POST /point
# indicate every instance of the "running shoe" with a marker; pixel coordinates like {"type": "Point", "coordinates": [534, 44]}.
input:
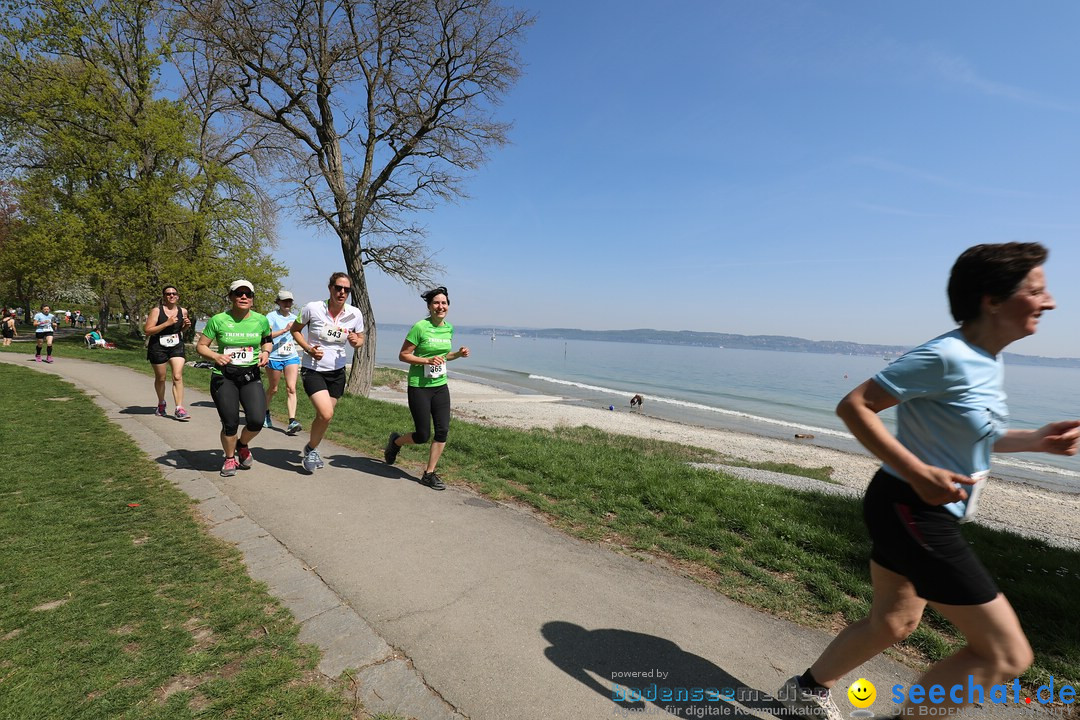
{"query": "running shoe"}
{"type": "Point", "coordinates": [267, 422]}
{"type": "Point", "coordinates": [48, 359]}
{"type": "Point", "coordinates": [807, 703]}
{"type": "Point", "coordinates": [294, 427]}
{"type": "Point", "coordinates": [37, 357]}
{"type": "Point", "coordinates": [160, 412]}
{"type": "Point", "coordinates": [312, 460]}
{"type": "Point", "coordinates": [182, 414]}
{"type": "Point", "coordinates": [434, 482]}
{"type": "Point", "coordinates": [229, 468]}
{"type": "Point", "coordinates": [392, 449]}
{"type": "Point", "coordinates": [245, 459]}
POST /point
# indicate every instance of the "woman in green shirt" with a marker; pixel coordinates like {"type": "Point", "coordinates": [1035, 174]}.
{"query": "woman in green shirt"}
{"type": "Point", "coordinates": [427, 349]}
{"type": "Point", "coordinates": [243, 346]}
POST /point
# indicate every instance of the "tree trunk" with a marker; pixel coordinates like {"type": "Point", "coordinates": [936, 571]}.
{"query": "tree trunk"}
{"type": "Point", "coordinates": [363, 363]}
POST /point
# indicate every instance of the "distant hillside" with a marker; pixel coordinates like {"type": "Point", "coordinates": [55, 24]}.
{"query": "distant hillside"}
{"type": "Point", "coordinates": [744, 342]}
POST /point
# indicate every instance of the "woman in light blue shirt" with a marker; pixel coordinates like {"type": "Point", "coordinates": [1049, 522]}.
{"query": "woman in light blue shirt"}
{"type": "Point", "coordinates": [951, 415]}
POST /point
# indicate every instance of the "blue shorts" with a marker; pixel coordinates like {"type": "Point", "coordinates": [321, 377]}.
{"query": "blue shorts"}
{"type": "Point", "coordinates": [280, 365]}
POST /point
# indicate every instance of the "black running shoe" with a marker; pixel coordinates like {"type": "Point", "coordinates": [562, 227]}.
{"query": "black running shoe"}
{"type": "Point", "coordinates": [392, 449]}
{"type": "Point", "coordinates": [433, 481]}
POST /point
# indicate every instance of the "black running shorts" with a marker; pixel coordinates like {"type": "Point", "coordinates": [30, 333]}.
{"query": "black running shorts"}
{"type": "Point", "coordinates": [924, 544]}
{"type": "Point", "coordinates": [333, 381]}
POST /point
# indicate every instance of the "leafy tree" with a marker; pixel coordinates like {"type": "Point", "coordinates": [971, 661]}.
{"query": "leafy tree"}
{"type": "Point", "coordinates": [384, 104]}
{"type": "Point", "coordinates": [94, 141]}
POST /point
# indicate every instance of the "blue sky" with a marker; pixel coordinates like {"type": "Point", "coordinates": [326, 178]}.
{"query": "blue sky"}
{"type": "Point", "coordinates": [787, 167]}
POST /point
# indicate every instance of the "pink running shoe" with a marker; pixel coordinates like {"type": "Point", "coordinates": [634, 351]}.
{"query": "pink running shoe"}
{"type": "Point", "coordinates": [229, 468]}
{"type": "Point", "coordinates": [182, 414]}
{"type": "Point", "coordinates": [48, 359]}
{"type": "Point", "coordinates": [37, 358]}
{"type": "Point", "coordinates": [246, 461]}
{"type": "Point", "coordinates": [160, 412]}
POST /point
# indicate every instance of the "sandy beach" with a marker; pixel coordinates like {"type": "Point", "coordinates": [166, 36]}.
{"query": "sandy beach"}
{"type": "Point", "coordinates": [1028, 510]}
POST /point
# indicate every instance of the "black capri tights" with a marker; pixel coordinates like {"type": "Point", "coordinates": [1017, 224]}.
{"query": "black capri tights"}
{"type": "Point", "coordinates": [229, 396]}
{"type": "Point", "coordinates": [426, 403]}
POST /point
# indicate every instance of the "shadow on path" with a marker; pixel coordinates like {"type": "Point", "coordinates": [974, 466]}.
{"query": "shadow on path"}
{"type": "Point", "coordinates": [636, 669]}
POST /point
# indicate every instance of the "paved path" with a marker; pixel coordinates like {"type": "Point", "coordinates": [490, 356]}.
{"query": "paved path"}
{"type": "Point", "coordinates": [452, 605]}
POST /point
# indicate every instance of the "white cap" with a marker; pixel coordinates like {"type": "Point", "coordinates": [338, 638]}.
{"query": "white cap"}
{"type": "Point", "coordinates": [285, 295]}
{"type": "Point", "coordinates": [241, 283]}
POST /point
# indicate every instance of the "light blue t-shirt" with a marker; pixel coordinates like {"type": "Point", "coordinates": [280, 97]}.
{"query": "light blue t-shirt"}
{"type": "Point", "coordinates": [952, 405]}
{"type": "Point", "coordinates": [284, 345]}
{"type": "Point", "coordinates": [44, 323]}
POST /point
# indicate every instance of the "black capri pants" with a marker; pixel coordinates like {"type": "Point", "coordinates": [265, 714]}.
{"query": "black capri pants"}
{"type": "Point", "coordinates": [234, 389]}
{"type": "Point", "coordinates": [425, 404]}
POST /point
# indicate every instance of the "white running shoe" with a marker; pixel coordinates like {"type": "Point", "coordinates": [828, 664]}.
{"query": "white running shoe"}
{"type": "Point", "coordinates": [807, 703]}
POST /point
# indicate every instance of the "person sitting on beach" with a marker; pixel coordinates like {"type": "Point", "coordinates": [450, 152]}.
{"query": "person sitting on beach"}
{"type": "Point", "coordinates": [636, 402]}
{"type": "Point", "coordinates": [951, 414]}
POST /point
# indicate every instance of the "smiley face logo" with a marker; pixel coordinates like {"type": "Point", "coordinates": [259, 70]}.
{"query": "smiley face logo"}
{"type": "Point", "coordinates": [862, 693]}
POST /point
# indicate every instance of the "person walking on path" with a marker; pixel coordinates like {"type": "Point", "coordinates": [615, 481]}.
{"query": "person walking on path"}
{"type": "Point", "coordinates": [243, 346]}
{"type": "Point", "coordinates": [427, 348]}
{"type": "Point", "coordinates": [951, 416]}
{"type": "Point", "coordinates": [322, 332]}
{"type": "Point", "coordinates": [164, 328]}
{"type": "Point", "coordinates": [283, 360]}
{"type": "Point", "coordinates": [44, 324]}
{"type": "Point", "coordinates": [7, 325]}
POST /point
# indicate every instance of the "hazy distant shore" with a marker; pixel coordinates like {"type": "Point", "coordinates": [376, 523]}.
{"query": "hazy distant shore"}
{"type": "Point", "coordinates": [1023, 508]}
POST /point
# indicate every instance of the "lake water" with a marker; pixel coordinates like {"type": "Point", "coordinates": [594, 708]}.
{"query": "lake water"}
{"type": "Point", "coordinates": [777, 394]}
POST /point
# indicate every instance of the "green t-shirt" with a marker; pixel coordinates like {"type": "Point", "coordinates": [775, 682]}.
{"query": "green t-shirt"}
{"type": "Point", "coordinates": [242, 340]}
{"type": "Point", "coordinates": [430, 340]}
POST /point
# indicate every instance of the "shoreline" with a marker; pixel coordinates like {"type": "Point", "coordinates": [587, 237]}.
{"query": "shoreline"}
{"type": "Point", "coordinates": [1020, 507]}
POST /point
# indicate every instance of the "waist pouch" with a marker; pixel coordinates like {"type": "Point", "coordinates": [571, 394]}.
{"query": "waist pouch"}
{"type": "Point", "coordinates": [241, 375]}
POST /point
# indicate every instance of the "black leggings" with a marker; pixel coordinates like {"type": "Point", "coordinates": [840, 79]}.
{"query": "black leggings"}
{"type": "Point", "coordinates": [229, 396]}
{"type": "Point", "coordinates": [425, 404]}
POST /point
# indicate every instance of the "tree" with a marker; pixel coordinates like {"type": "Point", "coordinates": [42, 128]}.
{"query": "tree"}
{"type": "Point", "coordinates": [385, 104]}
{"type": "Point", "coordinates": [114, 163]}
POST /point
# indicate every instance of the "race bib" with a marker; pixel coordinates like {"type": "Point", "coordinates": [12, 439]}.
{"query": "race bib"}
{"type": "Point", "coordinates": [286, 348]}
{"type": "Point", "coordinates": [240, 355]}
{"type": "Point", "coordinates": [432, 372]}
{"type": "Point", "coordinates": [974, 491]}
{"type": "Point", "coordinates": [335, 335]}
{"type": "Point", "coordinates": [169, 340]}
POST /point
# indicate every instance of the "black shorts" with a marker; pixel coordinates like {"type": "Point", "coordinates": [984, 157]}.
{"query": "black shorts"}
{"type": "Point", "coordinates": [924, 544]}
{"type": "Point", "coordinates": [333, 381]}
{"type": "Point", "coordinates": [8, 332]}
{"type": "Point", "coordinates": [43, 335]}
{"type": "Point", "coordinates": [158, 355]}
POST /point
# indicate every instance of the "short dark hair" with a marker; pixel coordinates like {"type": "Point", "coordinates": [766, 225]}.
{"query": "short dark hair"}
{"type": "Point", "coordinates": [337, 276]}
{"type": "Point", "coordinates": [169, 286]}
{"type": "Point", "coordinates": [990, 270]}
{"type": "Point", "coordinates": [430, 294]}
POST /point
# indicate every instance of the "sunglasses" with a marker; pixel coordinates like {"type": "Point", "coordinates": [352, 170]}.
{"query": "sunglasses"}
{"type": "Point", "coordinates": [171, 294]}
{"type": "Point", "coordinates": [343, 288]}
{"type": "Point", "coordinates": [243, 294]}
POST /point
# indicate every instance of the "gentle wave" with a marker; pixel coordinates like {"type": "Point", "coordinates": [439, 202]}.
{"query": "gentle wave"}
{"type": "Point", "coordinates": [1033, 466]}
{"type": "Point", "coordinates": [697, 406]}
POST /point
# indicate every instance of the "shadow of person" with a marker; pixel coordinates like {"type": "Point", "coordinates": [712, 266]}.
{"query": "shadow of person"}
{"type": "Point", "coordinates": [635, 669]}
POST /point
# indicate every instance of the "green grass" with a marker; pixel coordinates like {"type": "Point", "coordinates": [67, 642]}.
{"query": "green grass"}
{"type": "Point", "coordinates": [116, 603]}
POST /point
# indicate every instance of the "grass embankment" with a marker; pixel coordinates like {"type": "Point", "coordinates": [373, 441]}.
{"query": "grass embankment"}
{"type": "Point", "coordinates": [802, 556]}
{"type": "Point", "coordinates": [116, 603]}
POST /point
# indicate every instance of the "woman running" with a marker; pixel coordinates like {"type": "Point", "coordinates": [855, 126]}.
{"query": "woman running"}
{"type": "Point", "coordinates": [243, 346]}
{"type": "Point", "coordinates": [283, 360]}
{"type": "Point", "coordinates": [951, 416]}
{"type": "Point", "coordinates": [164, 328]}
{"type": "Point", "coordinates": [427, 349]}
{"type": "Point", "coordinates": [44, 323]}
{"type": "Point", "coordinates": [8, 325]}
